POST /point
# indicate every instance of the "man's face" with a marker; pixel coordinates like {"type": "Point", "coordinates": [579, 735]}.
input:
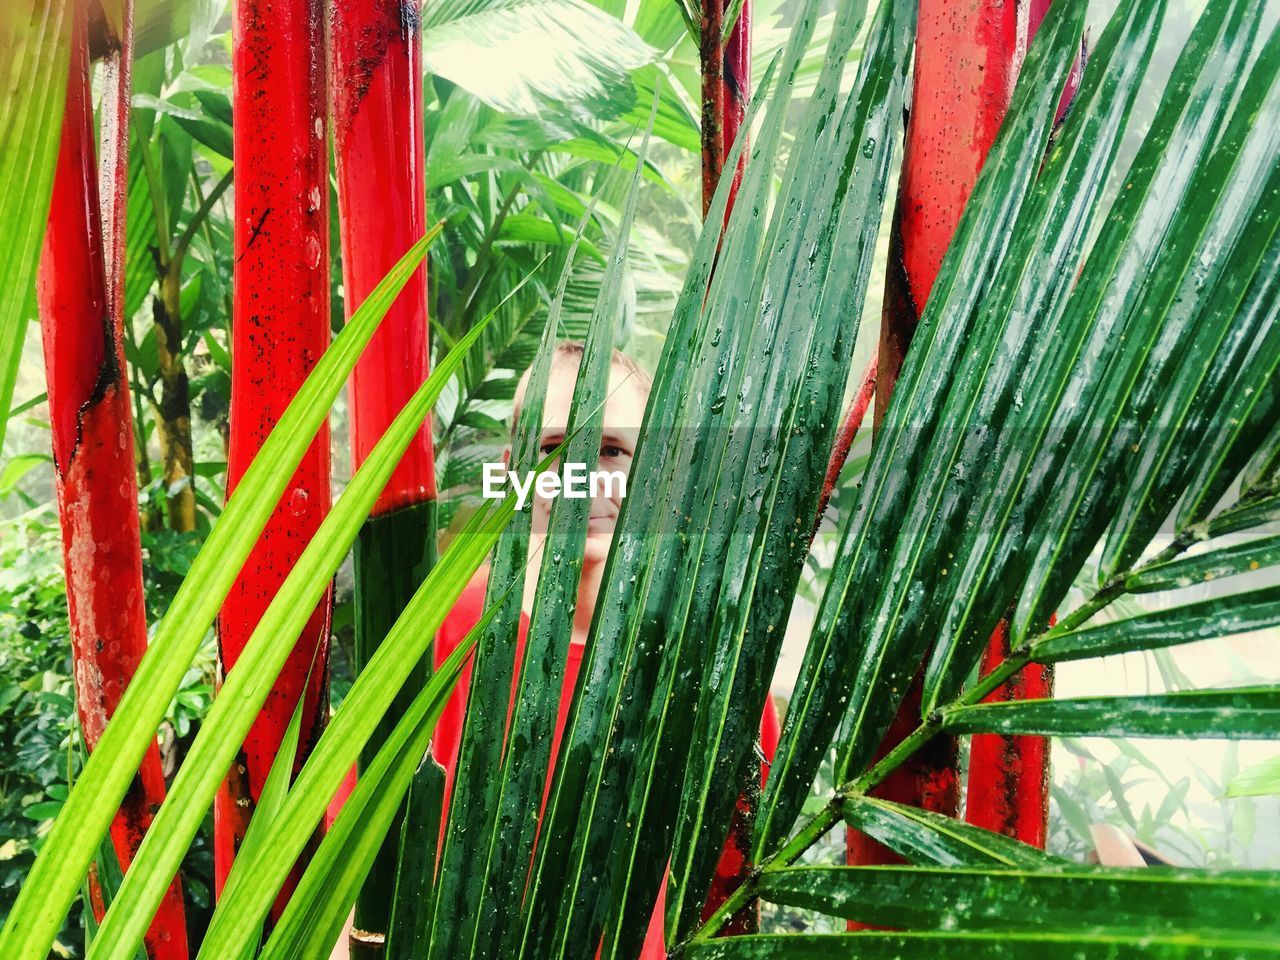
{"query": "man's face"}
{"type": "Point", "coordinates": [623, 414]}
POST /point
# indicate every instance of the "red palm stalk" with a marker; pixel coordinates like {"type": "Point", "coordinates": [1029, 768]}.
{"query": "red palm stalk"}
{"type": "Point", "coordinates": [966, 62]}
{"type": "Point", "coordinates": [280, 327]}
{"type": "Point", "coordinates": [376, 97]}
{"type": "Point", "coordinates": [92, 429]}
{"type": "Point", "coordinates": [853, 418]}
{"type": "Point", "coordinates": [1008, 788]}
{"type": "Point", "coordinates": [726, 83]}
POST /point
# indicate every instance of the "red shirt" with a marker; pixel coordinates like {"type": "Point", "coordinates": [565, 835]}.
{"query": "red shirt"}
{"type": "Point", "coordinates": [445, 741]}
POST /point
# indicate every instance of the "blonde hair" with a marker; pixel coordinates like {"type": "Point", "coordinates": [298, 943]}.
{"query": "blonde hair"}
{"type": "Point", "coordinates": [573, 350]}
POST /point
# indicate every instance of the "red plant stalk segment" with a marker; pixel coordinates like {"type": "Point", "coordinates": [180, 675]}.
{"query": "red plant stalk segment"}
{"type": "Point", "coordinates": [967, 57]}
{"type": "Point", "coordinates": [929, 779]}
{"type": "Point", "coordinates": [966, 62]}
{"type": "Point", "coordinates": [726, 87]}
{"type": "Point", "coordinates": [853, 419]}
{"type": "Point", "coordinates": [378, 141]}
{"type": "Point", "coordinates": [280, 328]}
{"type": "Point", "coordinates": [1008, 788]}
{"type": "Point", "coordinates": [91, 421]}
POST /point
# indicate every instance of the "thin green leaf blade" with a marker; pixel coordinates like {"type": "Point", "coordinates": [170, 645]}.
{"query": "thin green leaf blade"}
{"type": "Point", "coordinates": [997, 945]}
{"type": "Point", "coordinates": [1245, 713]}
{"type": "Point", "coordinates": [922, 836]}
{"type": "Point", "coordinates": [1187, 623]}
{"type": "Point", "coordinates": [1066, 899]}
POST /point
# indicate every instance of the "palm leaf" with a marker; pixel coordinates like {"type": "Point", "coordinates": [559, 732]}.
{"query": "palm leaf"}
{"type": "Point", "coordinates": [476, 840]}
{"type": "Point", "coordinates": [1245, 713]}
{"type": "Point", "coordinates": [516, 55]}
{"type": "Point", "coordinates": [1156, 902]}
{"type": "Point", "coordinates": [996, 481]}
{"type": "Point", "coordinates": [826, 685]}
{"type": "Point", "coordinates": [922, 836]}
{"type": "Point", "coordinates": [993, 945]}
{"type": "Point", "coordinates": [237, 918]}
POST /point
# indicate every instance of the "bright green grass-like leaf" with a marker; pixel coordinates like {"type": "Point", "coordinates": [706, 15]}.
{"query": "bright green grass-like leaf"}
{"type": "Point", "coordinates": [274, 791]}
{"type": "Point", "coordinates": [34, 35]}
{"type": "Point", "coordinates": [1067, 899]}
{"type": "Point", "coordinates": [69, 848]}
{"type": "Point", "coordinates": [922, 836]}
{"type": "Point", "coordinates": [1260, 780]}
{"type": "Point", "coordinates": [994, 945]}
{"type": "Point", "coordinates": [236, 920]}
{"type": "Point", "coordinates": [18, 467]}
{"type": "Point", "coordinates": [374, 689]}
{"type": "Point", "coordinates": [1245, 713]}
{"type": "Point", "coordinates": [312, 921]}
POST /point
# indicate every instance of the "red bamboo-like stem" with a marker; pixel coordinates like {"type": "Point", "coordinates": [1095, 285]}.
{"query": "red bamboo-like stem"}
{"type": "Point", "coordinates": [853, 418]}
{"type": "Point", "coordinates": [92, 428]}
{"type": "Point", "coordinates": [382, 211]}
{"type": "Point", "coordinates": [1008, 788]}
{"type": "Point", "coordinates": [966, 62]}
{"type": "Point", "coordinates": [967, 57]}
{"type": "Point", "coordinates": [280, 327]}
{"type": "Point", "coordinates": [726, 85]}
{"type": "Point", "coordinates": [376, 98]}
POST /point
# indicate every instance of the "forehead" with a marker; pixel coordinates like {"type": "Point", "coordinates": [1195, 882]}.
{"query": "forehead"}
{"type": "Point", "coordinates": [624, 409]}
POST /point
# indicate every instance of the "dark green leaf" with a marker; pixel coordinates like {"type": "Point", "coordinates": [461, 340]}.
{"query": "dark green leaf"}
{"type": "Point", "coordinates": [1219, 617]}
{"type": "Point", "coordinates": [1203, 567]}
{"type": "Point", "coordinates": [922, 836]}
{"type": "Point", "coordinates": [1239, 714]}
{"type": "Point", "coordinates": [998, 945]}
{"type": "Point", "coordinates": [1068, 899]}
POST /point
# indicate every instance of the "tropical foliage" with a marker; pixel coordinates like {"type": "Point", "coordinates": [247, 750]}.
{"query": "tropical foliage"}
{"type": "Point", "coordinates": [1089, 402]}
